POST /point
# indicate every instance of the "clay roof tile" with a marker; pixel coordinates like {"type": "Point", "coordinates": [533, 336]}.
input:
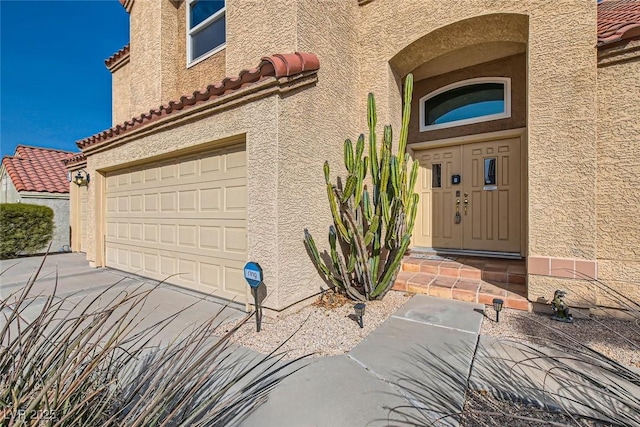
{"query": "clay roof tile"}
{"type": "Point", "coordinates": [38, 169]}
{"type": "Point", "coordinates": [116, 57]}
{"type": "Point", "coordinates": [278, 66]}
{"type": "Point", "coordinates": [618, 20]}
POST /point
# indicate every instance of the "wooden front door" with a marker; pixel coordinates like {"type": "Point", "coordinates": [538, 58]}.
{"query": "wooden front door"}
{"type": "Point", "coordinates": [483, 211]}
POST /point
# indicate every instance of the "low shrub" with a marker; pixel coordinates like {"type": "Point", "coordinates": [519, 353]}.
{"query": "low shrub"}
{"type": "Point", "coordinates": [24, 228]}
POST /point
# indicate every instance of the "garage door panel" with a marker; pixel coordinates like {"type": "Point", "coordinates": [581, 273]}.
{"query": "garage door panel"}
{"type": "Point", "coordinates": [183, 221]}
{"type": "Point", "coordinates": [203, 273]}
{"type": "Point", "coordinates": [188, 236]}
{"type": "Point", "coordinates": [235, 198]}
{"type": "Point", "coordinates": [227, 195]}
{"type": "Point", "coordinates": [111, 255]}
{"type": "Point", "coordinates": [210, 275]}
{"type": "Point", "coordinates": [187, 271]}
{"type": "Point", "coordinates": [112, 203]}
{"type": "Point", "coordinates": [188, 200]}
{"type": "Point", "coordinates": [135, 231]}
{"type": "Point", "coordinates": [151, 263]}
{"type": "Point", "coordinates": [111, 229]}
{"type": "Point", "coordinates": [235, 239]}
{"type": "Point", "coordinates": [237, 160]}
{"type": "Point", "coordinates": [135, 260]}
{"type": "Point", "coordinates": [234, 278]}
{"type": "Point", "coordinates": [201, 233]}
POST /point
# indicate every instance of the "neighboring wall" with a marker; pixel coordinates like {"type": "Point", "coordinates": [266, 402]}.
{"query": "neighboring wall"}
{"type": "Point", "coordinates": [618, 232]}
{"type": "Point", "coordinates": [58, 202]}
{"type": "Point", "coordinates": [60, 205]}
{"type": "Point", "coordinates": [9, 193]}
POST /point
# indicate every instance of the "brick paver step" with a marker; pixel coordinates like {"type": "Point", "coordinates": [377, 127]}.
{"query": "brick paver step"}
{"type": "Point", "coordinates": [470, 279]}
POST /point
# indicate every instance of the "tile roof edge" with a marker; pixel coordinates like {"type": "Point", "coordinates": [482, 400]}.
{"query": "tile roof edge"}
{"type": "Point", "coordinates": [127, 4]}
{"type": "Point", "coordinates": [75, 160]}
{"type": "Point", "coordinates": [277, 65]}
{"type": "Point", "coordinates": [42, 148]}
{"type": "Point", "coordinates": [117, 58]}
{"type": "Point", "coordinates": [622, 33]}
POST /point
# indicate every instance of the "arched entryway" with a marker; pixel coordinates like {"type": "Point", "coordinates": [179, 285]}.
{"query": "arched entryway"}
{"type": "Point", "coordinates": [468, 131]}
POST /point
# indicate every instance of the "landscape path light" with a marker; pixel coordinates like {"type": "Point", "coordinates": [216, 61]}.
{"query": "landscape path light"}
{"type": "Point", "coordinates": [359, 309]}
{"type": "Point", "coordinates": [497, 306]}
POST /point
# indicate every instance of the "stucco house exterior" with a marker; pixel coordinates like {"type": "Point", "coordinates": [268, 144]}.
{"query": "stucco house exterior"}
{"type": "Point", "coordinates": [37, 176]}
{"type": "Point", "coordinates": [224, 112]}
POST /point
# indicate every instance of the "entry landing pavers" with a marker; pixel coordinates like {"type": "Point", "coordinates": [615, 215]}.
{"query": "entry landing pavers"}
{"type": "Point", "coordinates": [472, 279]}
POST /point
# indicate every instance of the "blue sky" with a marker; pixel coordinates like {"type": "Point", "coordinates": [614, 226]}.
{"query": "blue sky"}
{"type": "Point", "coordinates": [54, 86]}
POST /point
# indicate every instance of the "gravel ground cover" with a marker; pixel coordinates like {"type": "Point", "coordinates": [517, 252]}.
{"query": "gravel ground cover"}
{"type": "Point", "coordinates": [326, 328]}
{"type": "Point", "coordinates": [615, 338]}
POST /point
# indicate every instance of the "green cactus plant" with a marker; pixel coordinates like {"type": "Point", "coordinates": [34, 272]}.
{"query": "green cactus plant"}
{"type": "Point", "coordinates": [370, 232]}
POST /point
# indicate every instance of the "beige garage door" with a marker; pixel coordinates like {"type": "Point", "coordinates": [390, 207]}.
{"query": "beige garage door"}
{"type": "Point", "coordinates": [183, 221]}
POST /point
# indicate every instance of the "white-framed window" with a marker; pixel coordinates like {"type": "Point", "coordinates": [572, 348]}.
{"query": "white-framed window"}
{"type": "Point", "coordinates": [206, 29]}
{"type": "Point", "coordinates": [466, 102]}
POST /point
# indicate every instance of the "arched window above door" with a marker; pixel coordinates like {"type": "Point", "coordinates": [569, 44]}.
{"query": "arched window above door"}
{"type": "Point", "coordinates": [466, 102]}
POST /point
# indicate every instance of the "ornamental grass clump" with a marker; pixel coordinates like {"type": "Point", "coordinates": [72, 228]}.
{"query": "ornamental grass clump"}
{"type": "Point", "coordinates": [550, 376]}
{"type": "Point", "coordinates": [92, 363]}
{"type": "Point", "coordinates": [371, 231]}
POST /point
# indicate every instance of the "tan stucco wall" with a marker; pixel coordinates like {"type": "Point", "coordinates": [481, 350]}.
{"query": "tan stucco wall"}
{"type": "Point", "coordinates": [259, 28]}
{"type": "Point", "coordinates": [74, 217]}
{"type": "Point", "coordinates": [283, 136]}
{"type": "Point", "coordinates": [313, 126]}
{"type": "Point", "coordinates": [255, 122]}
{"type": "Point", "coordinates": [158, 70]}
{"type": "Point", "coordinates": [146, 42]}
{"type": "Point", "coordinates": [76, 194]}
{"type": "Point", "coordinates": [514, 67]}
{"type": "Point", "coordinates": [618, 180]}
{"type": "Point", "coordinates": [561, 97]}
{"type": "Point", "coordinates": [121, 95]}
{"type": "Point", "coordinates": [197, 76]}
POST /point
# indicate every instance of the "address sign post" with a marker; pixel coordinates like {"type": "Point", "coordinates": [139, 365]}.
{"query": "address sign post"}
{"type": "Point", "coordinates": [253, 276]}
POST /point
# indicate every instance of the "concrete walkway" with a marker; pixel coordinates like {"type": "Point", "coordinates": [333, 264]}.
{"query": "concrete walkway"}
{"type": "Point", "coordinates": [413, 370]}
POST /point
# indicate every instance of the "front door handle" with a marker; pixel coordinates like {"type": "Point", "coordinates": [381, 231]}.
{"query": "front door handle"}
{"type": "Point", "coordinates": [466, 203]}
